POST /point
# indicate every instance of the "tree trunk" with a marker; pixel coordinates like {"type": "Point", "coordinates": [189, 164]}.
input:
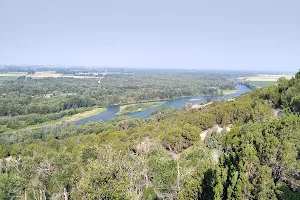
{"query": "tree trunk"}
{"type": "Point", "coordinates": [66, 193]}
{"type": "Point", "coordinates": [178, 175]}
{"type": "Point", "coordinates": [41, 195]}
{"type": "Point", "coordinates": [147, 180]}
{"type": "Point", "coordinates": [23, 195]}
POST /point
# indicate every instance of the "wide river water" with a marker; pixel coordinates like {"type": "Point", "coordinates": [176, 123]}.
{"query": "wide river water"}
{"type": "Point", "coordinates": [111, 111]}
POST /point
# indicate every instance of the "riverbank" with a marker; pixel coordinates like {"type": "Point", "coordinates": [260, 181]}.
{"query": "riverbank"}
{"type": "Point", "coordinates": [114, 111]}
{"type": "Point", "coordinates": [66, 119]}
{"type": "Point", "coordinates": [201, 105]}
{"type": "Point", "coordinates": [138, 107]}
{"type": "Point", "coordinates": [222, 92]}
{"type": "Point", "coordinates": [83, 115]}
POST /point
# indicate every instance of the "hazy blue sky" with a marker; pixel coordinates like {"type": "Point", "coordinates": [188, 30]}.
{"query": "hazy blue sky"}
{"type": "Point", "coordinates": [219, 34]}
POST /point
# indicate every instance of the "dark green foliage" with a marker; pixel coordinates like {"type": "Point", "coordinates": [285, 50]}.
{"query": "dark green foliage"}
{"type": "Point", "coordinates": [297, 76]}
{"type": "Point", "coordinates": [213, 140]}
{"type": "Point", "coordinates": [164, 157]}
{"type": "Point", "coordinates": [51, 95]}
{"type": "Point", "coordinates": [295, 103]}
{"type": "Point", "coordinates": [149, 194]}
{"type": "Point", "coordinates": [163, 170]}
{"type": "Point", "coordinates": [21, 121]}
{"type": "Point", "coordinates": [178, 139]}
{"type": "Point", "coordinates": [26, 101]}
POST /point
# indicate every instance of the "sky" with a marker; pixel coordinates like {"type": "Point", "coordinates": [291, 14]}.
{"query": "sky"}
{"type": "Point", "coordinates": [193, 34]}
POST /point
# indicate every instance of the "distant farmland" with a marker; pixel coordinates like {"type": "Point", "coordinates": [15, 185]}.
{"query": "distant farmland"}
{"type": "Point", "coordinates": [262, 80]}
{"type": "Point", "coordinates": [7, 78]}
{"type": "Point", "coordinates": [15, 75]}
{"type": "Point", "coordinates": [262, 83]}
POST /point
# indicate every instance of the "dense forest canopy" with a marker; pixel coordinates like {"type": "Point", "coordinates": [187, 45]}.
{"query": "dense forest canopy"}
{"type": "Point", "coordinates": [238, 149]}
{"type": "Point", "coordinates": [28, 101]}
{"type": "Point", "coordinates": [48, 95]}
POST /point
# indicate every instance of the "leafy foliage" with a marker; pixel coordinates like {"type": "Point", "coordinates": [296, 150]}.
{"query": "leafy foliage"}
{"type": "Point", "coordinates": [163, 157]}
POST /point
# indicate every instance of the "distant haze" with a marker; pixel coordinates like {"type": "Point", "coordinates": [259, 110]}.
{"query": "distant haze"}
{"type": "Point", "coordinates": [217, 34]}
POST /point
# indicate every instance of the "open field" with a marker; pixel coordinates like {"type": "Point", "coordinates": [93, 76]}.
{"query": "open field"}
{"type": "Point", "coordinates": [44, 74]}
{"type": "Point", "coordinates": [262, 83]}
{"type": "Point", "coordinates": [41, 75]}
{"type": "Point", "coordinates": [16, 74]}
{"type": "Point", "coordinates": [262, 80]}
{"type": "Point", "coordinates": [264, 77]}
{"type": "Point", "coordinates": [131, 108]}
{"type": "Point", "coordinates": [8, 78]}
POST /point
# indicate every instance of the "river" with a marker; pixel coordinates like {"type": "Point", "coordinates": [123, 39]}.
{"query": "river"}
{"type": "Point", "coordinates": [111, 111]}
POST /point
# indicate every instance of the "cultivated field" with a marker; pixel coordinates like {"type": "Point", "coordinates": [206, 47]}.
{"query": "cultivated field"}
{"type": "Point", "coordinates": [262, 80]}
{"type": "Point", "coordinates": [41, 75]}
{"type": "Point", "coordinates": [262, 77]}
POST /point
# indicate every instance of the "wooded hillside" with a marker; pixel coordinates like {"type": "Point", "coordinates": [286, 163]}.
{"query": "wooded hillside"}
{"type": "Point", "coordinates": [228, 150]}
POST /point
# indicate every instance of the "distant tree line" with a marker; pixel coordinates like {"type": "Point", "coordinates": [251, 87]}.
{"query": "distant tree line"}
{"type": "Point", "coordinates": [50, 97]}
{"type": "Point", "coordinates": [164, 157]}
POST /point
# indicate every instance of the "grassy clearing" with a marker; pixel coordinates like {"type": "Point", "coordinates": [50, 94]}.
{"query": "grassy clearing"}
{"type": "Point", "coordinates": [132, 108]}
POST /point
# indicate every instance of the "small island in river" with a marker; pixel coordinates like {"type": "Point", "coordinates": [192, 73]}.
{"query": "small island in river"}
{"type": "Point", "coordinates": [138, 107]}
{"type": "Point", "coordinates": [226, 92]}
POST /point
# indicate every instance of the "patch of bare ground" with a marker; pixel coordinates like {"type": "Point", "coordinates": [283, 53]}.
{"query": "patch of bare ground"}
{"type": "Point", "coordinates": [278, 112]}
{"type": "Point", "coordinates": [215, 156]}
{"type": "Point", "coordinates": [201, 105]}
{"type": "Point", "coordinates": [217, 128]}
{"type": "Point", "coordinates": [203, 134]}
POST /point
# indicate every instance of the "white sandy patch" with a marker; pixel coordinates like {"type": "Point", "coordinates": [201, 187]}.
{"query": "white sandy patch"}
{"type": "Point", "coordinates": [194, 99]}
{"type": "Point", "coordinates": [228, 129]}
{"type": "Point", "coordinates": [202, 106]}
{"type": "Point", "coordinates": [203, 134]}
{"type": "Point", "coordinates": [219, 129]}
{"type": "Point", "coordinates": [215, 156]}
